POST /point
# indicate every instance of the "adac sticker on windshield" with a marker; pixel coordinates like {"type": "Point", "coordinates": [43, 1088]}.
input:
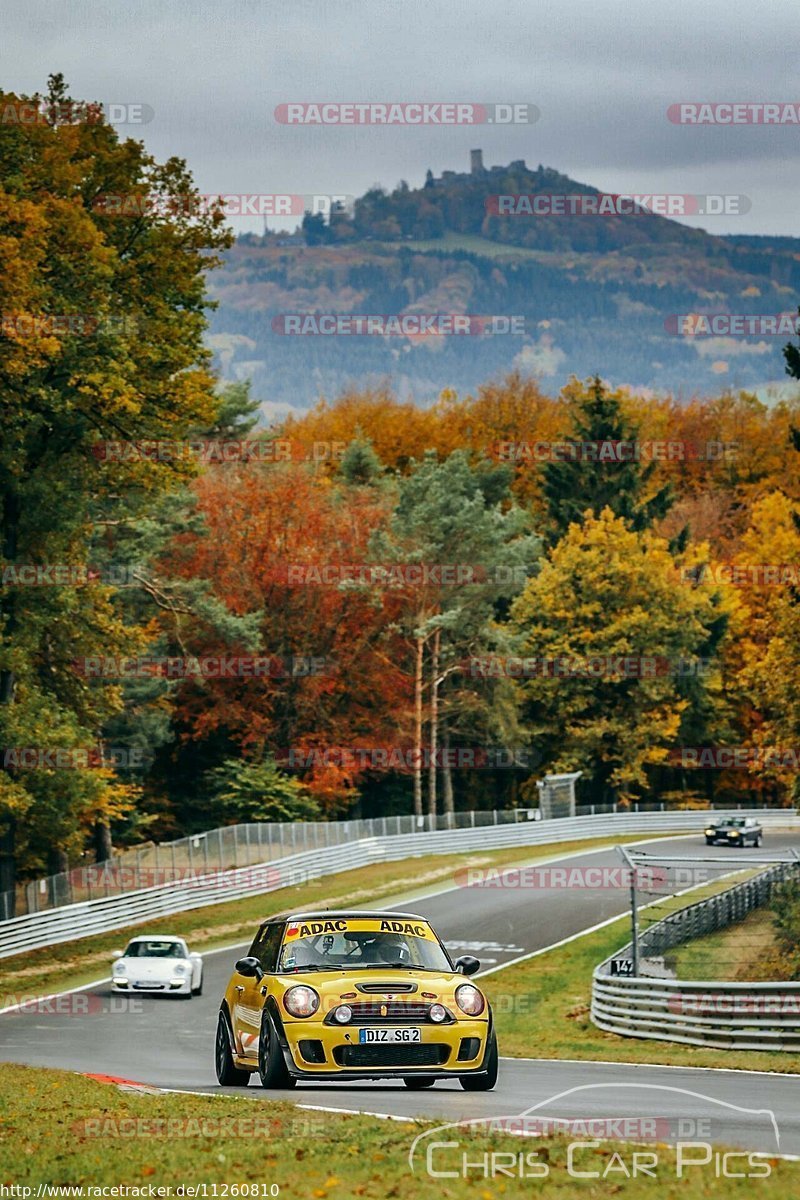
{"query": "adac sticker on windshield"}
{"type": "Point", "coordinates": [401, 928]}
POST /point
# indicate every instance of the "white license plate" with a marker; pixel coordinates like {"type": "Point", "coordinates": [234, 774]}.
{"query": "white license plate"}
{"type": "Point", "coordinates": [389, 1035]}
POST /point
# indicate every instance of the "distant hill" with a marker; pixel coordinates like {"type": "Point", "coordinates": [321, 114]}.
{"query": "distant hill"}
{"type": "Point", "coordinates": [590, 293]}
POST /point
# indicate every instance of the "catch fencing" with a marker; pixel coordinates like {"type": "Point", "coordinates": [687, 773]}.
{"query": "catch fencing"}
{"type": "Point", "coordinates": [244, 845]}
{"type": "Point", "coordinates": [121, 911]}
{"type": "Point", "coordinates": [727, 1014]}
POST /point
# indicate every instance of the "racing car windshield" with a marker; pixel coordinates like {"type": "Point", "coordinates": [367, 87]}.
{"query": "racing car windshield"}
{"type": "Point", "coordinates": [154, 949]}
{"type": "Point", "coordinates": [341, 944]}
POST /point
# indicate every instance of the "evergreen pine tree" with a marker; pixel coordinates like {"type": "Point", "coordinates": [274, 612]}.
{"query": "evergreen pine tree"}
{"type": "Point", "coordinates": [598, 475]}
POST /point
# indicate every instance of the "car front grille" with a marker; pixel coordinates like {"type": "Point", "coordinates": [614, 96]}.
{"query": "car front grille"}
{"type": "Point", "coordinates": [425, 1054]}
{"type": "Point", "coordinates": [390, 1012]}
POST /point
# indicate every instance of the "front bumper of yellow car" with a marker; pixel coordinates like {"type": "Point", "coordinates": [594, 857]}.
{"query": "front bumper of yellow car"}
{"type": "Point", "coordinates": [320, 1049]}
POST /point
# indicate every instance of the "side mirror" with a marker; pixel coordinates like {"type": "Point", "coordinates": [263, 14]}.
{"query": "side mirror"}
{"type": "Point", "coordinates": [467, 965]}
{"type": "Point", "coordinates": [117, 954]}
{"type": "Point", "coordinates": [250, 967]}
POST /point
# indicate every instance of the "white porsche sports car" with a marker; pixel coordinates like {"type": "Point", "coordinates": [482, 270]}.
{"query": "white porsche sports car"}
{"type": "Point", "coordinates": [157, 964]}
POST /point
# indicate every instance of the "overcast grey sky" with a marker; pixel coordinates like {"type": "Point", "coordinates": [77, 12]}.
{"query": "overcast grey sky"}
{"type": "Point", "coordinates": [602, 74]}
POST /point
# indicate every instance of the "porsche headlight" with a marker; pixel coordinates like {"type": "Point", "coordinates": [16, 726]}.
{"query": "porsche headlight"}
{"type": "Point", "coordinates": [179, 969]}
{"type": "Point", "coordinates": [120, 968]}
{"type": "Point", "coordinates": [301, 1001]}
{"type": "Point", "coordinates": [470, 1000]}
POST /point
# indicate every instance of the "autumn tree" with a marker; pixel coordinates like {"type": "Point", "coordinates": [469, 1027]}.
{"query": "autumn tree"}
{"type": "Point", "coordinates": [454, 516]}
{"type": "Point", "coordinates": [269, 532]}
{"type": "Point", "coordinates": [104, 253]}
{"type": "Point", "coordinates": [608, 628]}
{"type": "Point", "coordinates": [766, 659]}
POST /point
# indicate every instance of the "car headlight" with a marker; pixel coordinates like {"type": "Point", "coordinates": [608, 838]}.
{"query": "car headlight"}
{"type": "Point", "coordinates": [710, 832]}
{"type": "Point", "coordinates": [120, 968]}
{"type": "Point", "coordinates": [301, 1001]}
{"type": "Point", "coordinates": [438, 1012]}
{"type": "Point", "coordinates": [734, 833]}
{"type": "Point", "coordinates": [179, 969]}
{"type": "Point", "coordinates": [342, 1014]}
{"type": "Point", "coordinates": [470, 1000]}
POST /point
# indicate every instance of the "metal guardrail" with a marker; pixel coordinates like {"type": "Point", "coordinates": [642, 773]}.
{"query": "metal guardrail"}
{"type": "Point", "coordinates": [76, 921]}
{"type": "Point", "coordinates": [728, 1016]}
{"type": "Point", "coordinates": [720, 1013]}
{"type": "Point", "coordinates": [239, 846]}
{"type": "Point", "coordinates": [224, 849]}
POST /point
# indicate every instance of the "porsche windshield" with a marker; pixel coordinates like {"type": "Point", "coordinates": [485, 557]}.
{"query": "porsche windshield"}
{"type": "Point", "coordinates": [337, 949]}
{"type": "Point", "coordinates": [154, 950]}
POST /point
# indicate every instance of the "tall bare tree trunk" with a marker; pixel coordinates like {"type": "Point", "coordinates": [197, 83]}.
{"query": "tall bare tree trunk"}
{"type": "Point", "coordinates": [8, 868]}
{"type": "Point", "coordinates": [447, 783]}
{"type": "Point", "coordinates": [103, 846]}
{"type": "Point", "coordinates": [434, 723]}
{"type": "Point", "coordinates": [418, 729]}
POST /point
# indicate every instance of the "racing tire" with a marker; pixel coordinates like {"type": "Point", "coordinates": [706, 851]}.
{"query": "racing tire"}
{"type": "Point", "coordinates": [198, 991]}
{"type": "Point", "coordinates": [271, 1066]}
{"type": "Point", "coordinates": [483, 1081]}
{"type": "Point", "coordinates": [416, 1082]}
{"type": "Point", "coordinates": [228, 1074]}
{"type": "Point", "coordinates": [757, 842]}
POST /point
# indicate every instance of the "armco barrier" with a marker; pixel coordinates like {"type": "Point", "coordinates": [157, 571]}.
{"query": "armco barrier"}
{"type": "Point", "coordinates": [225, 849]}
{"type": "Point", "coordinates": [245, 845]}
{"type": "Point", "coordinates": [76, 921]}
{"type": "Point", "coordinates": [742, 1016]}
{"type": "Point", "coordinates": [724, 1014]}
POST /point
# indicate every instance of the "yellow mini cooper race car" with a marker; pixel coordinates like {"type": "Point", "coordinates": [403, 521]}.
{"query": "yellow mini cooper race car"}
{"type": "Point", "coordinates": [354, 995]}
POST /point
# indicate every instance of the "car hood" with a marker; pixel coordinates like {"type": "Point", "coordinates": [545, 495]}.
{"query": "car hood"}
{"type": "Point", "coordinates": [158, 969]}
{"type": "Point", "coordinates": [376, 984]}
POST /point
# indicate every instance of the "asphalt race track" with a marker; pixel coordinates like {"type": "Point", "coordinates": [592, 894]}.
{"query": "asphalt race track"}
{"type": "Point", "coordinates": [169, 1043]}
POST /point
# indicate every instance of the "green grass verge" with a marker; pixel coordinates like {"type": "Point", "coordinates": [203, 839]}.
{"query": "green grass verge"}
{"type": "Point", "coordinates": [63, 1129]}
{"type": "Point", "coordinates": [543, 1006]}
{"type": "Point", "coordinates": [748, 950]}
{"type": "Point", "coordinates": [72, 964]}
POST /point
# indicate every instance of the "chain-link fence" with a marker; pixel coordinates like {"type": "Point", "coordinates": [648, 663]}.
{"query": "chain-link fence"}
{"type": "Point", "coordinates": [732, 894]}
{"type": "Point", "coordinates": [250, 845]}
{"type": "Point", "coordinates": [231, 846]}
{"type": "Point", "coordinates": [707, 971]}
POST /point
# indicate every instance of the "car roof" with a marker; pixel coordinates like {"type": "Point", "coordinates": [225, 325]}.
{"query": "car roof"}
{"type": "Point", "coordinates": [327, 913]}
{"type": "Point", "coordinates": [156, 937]}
